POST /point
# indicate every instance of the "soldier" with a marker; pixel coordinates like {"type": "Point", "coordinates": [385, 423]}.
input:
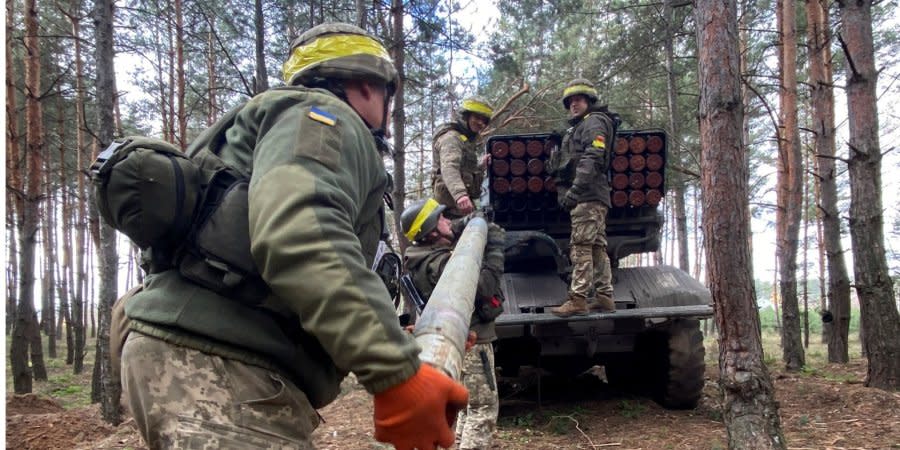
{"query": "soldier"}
{"type": "Point", "coordinates": [579, 168]}
{"type": "Point", "coordinates": [458, 172]}
{"type": "Point", "coordinates": [434, 237]}
{"type": "Point", "coordinates": [200, 370]}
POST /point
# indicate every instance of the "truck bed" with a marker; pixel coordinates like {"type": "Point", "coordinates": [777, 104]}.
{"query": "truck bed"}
{"type": "Point", "coordinates": [639, 292]}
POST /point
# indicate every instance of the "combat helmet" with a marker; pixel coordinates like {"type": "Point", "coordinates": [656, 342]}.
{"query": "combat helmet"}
{"type": "Point", "coordinates": [338, 51]}
{"type": "Point", "coordinates": [475, 105]}
{"type": "Point", "coordinates": [420, 218]}
{"type": "Point", "coordinates": [579, 86]}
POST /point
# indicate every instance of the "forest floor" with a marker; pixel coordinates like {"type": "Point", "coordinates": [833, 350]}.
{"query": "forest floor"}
{"type": "Point", "coordinates": [825, 406]}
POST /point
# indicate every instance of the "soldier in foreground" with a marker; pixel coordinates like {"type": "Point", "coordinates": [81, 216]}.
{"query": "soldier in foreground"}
{"type": "Point", "coordinates": [434, 238]}
{"type": "Point", "coordinates": [458, 171]}
{"type": "Point", "coordinates": [201, 370]}
{"type": "Point", "coordinates": [579, 167]}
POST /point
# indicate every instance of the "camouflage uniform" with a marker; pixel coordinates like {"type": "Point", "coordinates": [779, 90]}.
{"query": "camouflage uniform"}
{"type": "Point", "coordinates": [202, 368]}
{"type": "Point", "coordinates": [475, 424]}
{"type": "Point", "coordinates": [186, 399]}
{"type": "Point", "coordinates": [458, 170]}
{"type": "Point", "coordinates": [580, 169]}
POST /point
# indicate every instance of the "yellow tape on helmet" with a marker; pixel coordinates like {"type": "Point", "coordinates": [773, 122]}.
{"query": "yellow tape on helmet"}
{"type": "Point", "coordinates": [579, 89]}
{"type": "Point", "coordinates": [426, 211]}
{"type": "Point", "coordinates": [477, 107]}
{"type": "Point", "coordinates": [331, 47]}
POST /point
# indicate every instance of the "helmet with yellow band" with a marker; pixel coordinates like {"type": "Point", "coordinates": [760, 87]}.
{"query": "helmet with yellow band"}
{"type": "Point", "coordinates": [421, 218]}
{"type": "Point", "coordinates": [579, 86]}
{"type": "Point", "coordinates": [476, 105]}
{"type": "Point", "coordinates": [338, 51]}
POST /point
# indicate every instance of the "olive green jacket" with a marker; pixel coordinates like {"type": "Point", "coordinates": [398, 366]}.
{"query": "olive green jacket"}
{"type": "Point", "coordinates": [426, 262]}
{"type": "Point", "coordinates": [457, 168]}
{"type": "Point", "coordinates": [582, 161]}
{"type": "Point", "coordinates": [315, 216]}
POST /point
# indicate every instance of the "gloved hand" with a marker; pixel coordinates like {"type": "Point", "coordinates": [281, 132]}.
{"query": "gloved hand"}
{"type": "Point", "coordinates": [569, 200]}
{"type": "Point", "coordinates": [496, 235]}
{"type": "Point", "coordinates": [419, 413]}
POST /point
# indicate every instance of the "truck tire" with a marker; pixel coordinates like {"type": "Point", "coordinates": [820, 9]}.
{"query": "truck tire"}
{"type": "Point", "coordinates": [680, 382]}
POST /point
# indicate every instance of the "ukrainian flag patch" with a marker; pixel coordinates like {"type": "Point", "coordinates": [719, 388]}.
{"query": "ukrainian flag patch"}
{"type": "Point", "coordinates": [322, 116]}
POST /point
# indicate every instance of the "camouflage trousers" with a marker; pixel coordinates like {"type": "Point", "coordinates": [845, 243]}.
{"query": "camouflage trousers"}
{"type": "Point", "coordinates": [475, 425]}
{"type": "Point", "coordinates": [182, 398]}
{"type": "Point", "coordinates": [591, 273]}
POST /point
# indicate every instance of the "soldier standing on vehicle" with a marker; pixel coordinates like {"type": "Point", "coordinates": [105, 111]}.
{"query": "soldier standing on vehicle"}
{"type": "Point", "coordinates": [204, 370]}
{"type": "Point", "coordinates": [458, 172]}
{"type": "Point", "coordinates": [434, 237]}
{"type": "Point", "coordinates": [579, 167]}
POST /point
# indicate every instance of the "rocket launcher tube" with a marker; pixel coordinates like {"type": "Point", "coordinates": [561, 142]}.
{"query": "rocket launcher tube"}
{"type": "Point", "coordinates": [444, 325]}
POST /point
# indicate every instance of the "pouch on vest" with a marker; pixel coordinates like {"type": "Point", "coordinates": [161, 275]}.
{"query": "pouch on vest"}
{"type": "Point", "coordinates": [217, 255]}
{"type": "Point", "coordinates": [147, 189]}
{"type": "Point", "coordinates": [489, 309]}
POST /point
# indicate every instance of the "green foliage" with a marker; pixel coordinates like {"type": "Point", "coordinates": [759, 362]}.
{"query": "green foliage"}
{"type": "Point", "coordinates": [561, 425]}
{"type": "Point", "coordinates": [520, 421]}
{"type": "Point", "coordinates": [767, 320]}
{"type": "Point", "coordinates": [631, 409]}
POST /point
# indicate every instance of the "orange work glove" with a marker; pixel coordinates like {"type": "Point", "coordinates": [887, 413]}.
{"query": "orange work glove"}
{"type": "Point", "coordinates": [419, 413]}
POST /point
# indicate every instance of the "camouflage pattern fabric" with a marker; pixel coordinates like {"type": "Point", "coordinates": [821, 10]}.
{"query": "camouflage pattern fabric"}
{"type": "Point", "coordinates": [475, 425]}
{"type": "Point", "coordinates": [582, 160]}
{"type": "Point", "coordinates": [186, 399]}
{"type": "Point", "coordinates": [458, 170]}
{"type": "Point", "coordinates": [590, 263]}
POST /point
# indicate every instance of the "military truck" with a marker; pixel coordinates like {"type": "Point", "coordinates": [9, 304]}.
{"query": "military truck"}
{"type": "Point", "coordinates": [653, 340]}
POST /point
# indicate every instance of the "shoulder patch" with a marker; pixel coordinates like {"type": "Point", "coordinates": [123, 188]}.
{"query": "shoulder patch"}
{"type": "Point", "coordinates": [599, 141]}
{"type": "Point", "coordinates": [322, 116]}
{"type": "Point", "coordinates": [463, 138]}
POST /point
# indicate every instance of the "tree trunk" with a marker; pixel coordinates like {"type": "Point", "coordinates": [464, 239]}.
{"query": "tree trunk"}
{"type": "Point", "coordinates": [397, 51]}
{"type": "Point", "coordinates": [822, 101]}
{"type": "Point", "coordinates": [874, 287]}
{"type": "Point", "coordinates": [211, 58]}
{"type": "Point", "coordinates": [11, 263]}
{"type": "Point", "coordinates": [361, 17]}
{"type": "Point", "coordinates": [65, 271]}
{"type": "Point", "coordinates": [805, 269]}
{"type": "Point", "coordinates": [179, 70]}
{"type": "Point", "coordinates": [14, 169]}
{"type": "Point", "coordinates": [790, 192]}
{"type": "Point", "coordinates": [49, 245]}
{"type": "Point", "coordinates": [675, 142]}
{"type": "Point", "coordinates": [698, 237]}
{"type": "Point", "coordinates": [820, 244]}
{"type": "Point", "coordinates": [262, 75]}
{"type": "Point", "coordinates": [750, 409]}
{"type": "Point", "coordinates": [75, 335]}
{"type": "Point", "coordinates": [111, 391]}
{"type": "Point", "coordinates": [171, 87]}
{"type": "Point", "coordinates": [25, 327]}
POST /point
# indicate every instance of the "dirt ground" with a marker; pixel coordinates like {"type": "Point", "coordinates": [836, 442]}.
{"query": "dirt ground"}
{"type": "Point", "coordinates": [826, 407]}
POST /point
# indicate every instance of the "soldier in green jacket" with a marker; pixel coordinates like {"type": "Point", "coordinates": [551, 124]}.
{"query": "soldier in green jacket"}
{"type": "Point", "coordinates": [200, 370]}
{"type": "Point", "coordinates": [458, 171]}
{"type": "Point", "coordinates": [580, 167]}
{"type": "Point", "coordinates": [434, 237]}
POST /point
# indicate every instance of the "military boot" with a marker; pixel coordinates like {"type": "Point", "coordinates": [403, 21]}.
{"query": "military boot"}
{"type": "Point", "coordinates": [603, 304]}
{"type": "Point", "coordinates": [576, 305]}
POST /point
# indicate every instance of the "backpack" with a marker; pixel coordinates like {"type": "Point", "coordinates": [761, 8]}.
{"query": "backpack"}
{"type": "Point", "coordinates": [185, 211]}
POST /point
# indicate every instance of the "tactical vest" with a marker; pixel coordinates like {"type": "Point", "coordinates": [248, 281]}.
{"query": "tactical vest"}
{"type": "Point", "coordinates": [472, 176]}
